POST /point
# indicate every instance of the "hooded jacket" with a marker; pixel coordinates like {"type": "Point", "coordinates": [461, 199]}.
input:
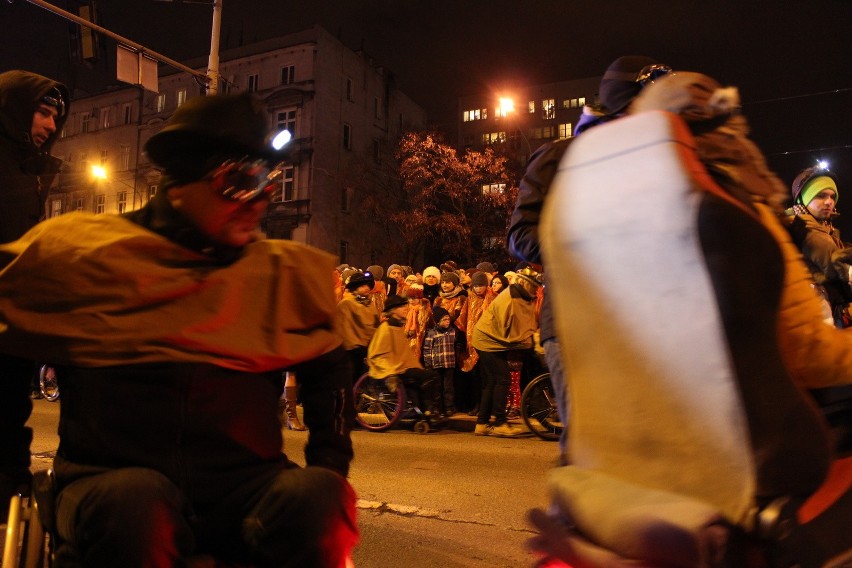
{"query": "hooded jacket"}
{"type": "Point", "coordinates": [26, 171]}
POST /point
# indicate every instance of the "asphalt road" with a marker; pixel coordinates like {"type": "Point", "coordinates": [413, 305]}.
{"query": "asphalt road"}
{"type": "Point", "coordinates": [444, 499]}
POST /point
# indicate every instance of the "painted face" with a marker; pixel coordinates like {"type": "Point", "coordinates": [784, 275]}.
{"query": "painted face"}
{"type": "Point", "coordinates": [224, 221]}
{"type": "Point", "coordinates": [44, 124]}
{"type": "Point", "coordinates": [822, 205]}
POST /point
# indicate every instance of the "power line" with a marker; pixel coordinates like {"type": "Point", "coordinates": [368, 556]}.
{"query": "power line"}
{"type": "Point", "coordinates": [811, 150]}
{"type": "Point", "coordinates": [805, 96]}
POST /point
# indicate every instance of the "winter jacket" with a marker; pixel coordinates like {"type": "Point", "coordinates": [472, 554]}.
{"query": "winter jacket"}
{"type": "Point", "coordinates": [508, 322]}
{"type": "Point", "coordinates": [355, 323]}
{"type": "Point", "coordinates": [389, 353]}
{"type": "Point", "coordinates": [439, 348]}
{"type": "Point", "coordinates": [26, 171]}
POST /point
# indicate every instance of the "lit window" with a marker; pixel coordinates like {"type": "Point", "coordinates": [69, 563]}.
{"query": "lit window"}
{"type": "Point", "coordinates": [582, 101]}
{"type": "Point", "coordinates": [493, 137]}
{"type": "Point", "coordinates": [55, 207]}
{"type": "Point", "coordinates": [100, 203]}
{"type": "Point", "coordinates": [548, 109]}
{"type": "Point", "coordinates": [287, 190]}
{"type": "Point", "coordinates": [492, 188]}
{"type": "Point", "coordinates": [565, 130]}
{"type": "Point", "coordinates": [152, 191]}
{"type": "Point", "coordinates": [181, 97]}
{"type": "Point", "coordinates": [475, 114]}
{"type": "Point", "coordinates": [125, 157]}
{"type": "Point", "coordinates": [161, 102]}
{"type": "Point", "coordinates": [288, 75]}
{"type": "Point", "coordinates": [252, 83]}
{"type": "Point", "coordinates": [121, 201]}
{"type": "Point", "coordinates": [531, 107]}
{"type": "Point", "coordinates": [105, 123]}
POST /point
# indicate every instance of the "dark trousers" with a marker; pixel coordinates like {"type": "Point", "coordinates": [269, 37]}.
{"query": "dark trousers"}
{"type": "Point", "coordinates": [359, 366]}
{"type": "Point", "coordinates": [15, 408]}
{"type": "Point", "coordinates": [494, 370]}
{"type": "Point", "coordinates": [421, 386]}
{"type": "Point", "coordinates": [446, 387]}
{"type": "Point", "coordinates": [137, 517]}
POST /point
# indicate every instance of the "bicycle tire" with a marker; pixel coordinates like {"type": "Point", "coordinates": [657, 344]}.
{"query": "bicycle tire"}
{"type": "Point", "coordinates": [47, 383]}
{"type": "Point", "coordinates": [538, 409]}
{"type": "Point", "coordinates": [379, 403]}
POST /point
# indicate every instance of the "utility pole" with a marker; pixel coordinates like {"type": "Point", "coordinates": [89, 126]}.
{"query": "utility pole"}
{"type": "Point", "coordinates": [213, 61]}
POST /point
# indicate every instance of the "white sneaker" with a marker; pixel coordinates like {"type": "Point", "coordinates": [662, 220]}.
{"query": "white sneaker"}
{"type": "Point", "coordinates": [482, 430]}
{"type": "Point", "coordinates": [506, 430]}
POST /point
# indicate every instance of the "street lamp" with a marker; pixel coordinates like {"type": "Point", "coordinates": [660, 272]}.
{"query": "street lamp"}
{"type": "Point", "coordinates": [215, 32]}
{"type": "Point", "coordinates": [100, 174]}
{"type": "Point", "coordinates": [506, 105]}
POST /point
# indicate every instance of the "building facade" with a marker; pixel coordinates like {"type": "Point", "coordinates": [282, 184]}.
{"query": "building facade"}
{"type": "Point", "coordinates": [344, 112]}
{"type": "Point", "coordinates": [519, 120]}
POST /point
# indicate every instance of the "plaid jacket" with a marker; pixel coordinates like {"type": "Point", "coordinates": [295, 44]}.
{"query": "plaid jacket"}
{"type": "Point", "coordinates": [439, 348]}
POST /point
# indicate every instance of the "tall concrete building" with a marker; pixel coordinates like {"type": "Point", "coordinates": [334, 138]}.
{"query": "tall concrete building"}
{"type": "Point", "coordinates": [520, 119]}
{"type": "Point", "coordinates": [344, 111]}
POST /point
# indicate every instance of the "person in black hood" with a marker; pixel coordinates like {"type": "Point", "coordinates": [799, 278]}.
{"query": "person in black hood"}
{"type": "Point", "coordinates": [32, 111]}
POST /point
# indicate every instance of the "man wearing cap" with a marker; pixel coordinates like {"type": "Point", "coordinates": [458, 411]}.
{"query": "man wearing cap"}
{"type": "Point", "coordinates": [32, 111]}
{"type": "Point", "coordinates": [815, 196]}
{"type": "Point", "coordinates": [172, 325]}
{"type": "Point", "coordinates": [623, 80]}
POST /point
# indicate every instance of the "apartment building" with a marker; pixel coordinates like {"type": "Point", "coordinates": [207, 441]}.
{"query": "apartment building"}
{"type": "Point", "coordinates": [344, 111]}
{"type": "Point", "coordinates": [518, 120]}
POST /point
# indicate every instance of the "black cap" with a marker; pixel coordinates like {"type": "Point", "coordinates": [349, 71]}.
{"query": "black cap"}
{"type": "Point", "coordinates": [618, 85]}
{"type": "Point", "coordinates": [394, 301]}
{"type": "Point", "coordinates": [202, 127]}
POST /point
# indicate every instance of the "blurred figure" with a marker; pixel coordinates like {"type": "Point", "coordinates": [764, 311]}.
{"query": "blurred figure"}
{"type": "Point", "coordinates": [357, 320]}
{"type": "Point", "coordinates": [33, 110]}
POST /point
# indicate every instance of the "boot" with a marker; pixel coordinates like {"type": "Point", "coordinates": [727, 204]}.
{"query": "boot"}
{"type": "Point", "coordinates": [288, 404]}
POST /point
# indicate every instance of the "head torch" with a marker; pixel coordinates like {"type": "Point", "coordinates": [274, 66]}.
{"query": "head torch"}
{"type": "Point", "coordinates": [651, 73]}
{"type": "Point", "coordinates": [245, 180]}
{"type": "Point", "coordinates": [54, 98]}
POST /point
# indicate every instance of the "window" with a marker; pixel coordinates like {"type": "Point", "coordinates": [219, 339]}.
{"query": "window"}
{"type": "Point", "coordinates": [181, 97]}
{"type": "Point", "coordinates": [544, 132]}
{"type": "Point", "coordinates": [161, 102]}
{"type": "Point", "coordinates": [582, 101]}
{"type": "Point", "coordinates": [85, 122]}
{"type": "Point", "coordinates": [548, 109]}
{"type": "Point", "coordinates": [121, 201]}
{"type": "Point", "coordinates": [493, 137]}
{"type": "Point", "coordinates": [152, 191]}
{"type": "Point", "coordinates": [344, 252]}
{"type": "Point", "coordinates": [104, 157]}
{"type": "Point", "coordinates": [347, 136]}
{"type": "Point", "coordinates": [492, 188]}
{"type": "Point", "coordinates": [125, 158]}
{"type": "Point", "coordinates": [105, 122]}
{"type": "Point", "coordinates": [531, 107]}
{"type": "Point", "coordinates": [84, 161]}
{"type": "Point", "coordinates": [286, 120]}
{"type": "Point", "coordinates": [287, 190]}
{"type": "Point", "coordinates": [475, 114]}
{"type": "Point", "coordinates": [100, 203]}
{"type": "Point", "coordinates": [346, 199]}
{"type": "Point", "coordinates": [127, 113]}
{"type": "Point", "coordinates": [350, 89]}
{"type": "Point", "coordinates": [79, 203]}
{"type": "Point", "coordinates": [565, 130]}
{"type": "Point", "coordinates": [55, 207]}
{"type": "Point", "coordinates": [253, 83]}
{"type": "Point", "coordinates": [288, 75]}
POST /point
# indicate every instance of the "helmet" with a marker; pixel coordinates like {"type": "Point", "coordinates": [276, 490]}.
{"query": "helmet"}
{"type": "Point", "coordinates": [804, 177]}
{"type": "Point", "coordinates": [359, 279]}
{"type": "Point", "coordinates": [530, 276]}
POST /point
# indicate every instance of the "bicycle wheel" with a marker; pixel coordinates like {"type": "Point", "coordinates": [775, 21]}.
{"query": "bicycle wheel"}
{"type": "Point", "coordinates": [538, 408]}
{"type": "Point", "coordinates": [47, 383]}
{"type": "Point", "coordinates": [378, 402]}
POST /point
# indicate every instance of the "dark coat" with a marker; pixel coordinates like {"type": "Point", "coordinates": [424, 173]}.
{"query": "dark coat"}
{"type": "Point", "coordinates": [26, 171]}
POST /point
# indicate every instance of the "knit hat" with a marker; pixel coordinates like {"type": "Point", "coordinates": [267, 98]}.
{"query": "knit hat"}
{"type": "Point", "coordinates": [414, 291]}
{"type": "Point", "coordinates": [619, 83]}
{"type": "Point", "coordinates": [377, 271]}
{"type": "Point", "coordinates": [449, 266]}
{"type": "Point", "coordinates": [486, 267]}
{"type": "Point", "coordinates": [393, 267]}
{"type": "Point", "coordinates": [479, 279]}
{"type": "Point", "coordinates": [438, 314]}
{"type": "Point", "coordinates": [811, 181]}
{"type": "Point", "coordinates": [450, 277]}
{"type": "Point", "coordinates": [432, 271]}
{"type": "Point", "coordinates": [342, 267]}
{"type": "Point", "coordinates": [394, 301]}
{"type": "Point", "coordinates": [531, 276]}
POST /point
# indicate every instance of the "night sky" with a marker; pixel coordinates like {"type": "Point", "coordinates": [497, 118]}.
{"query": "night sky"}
{"type": "Point", "coordinates": [791, 59]}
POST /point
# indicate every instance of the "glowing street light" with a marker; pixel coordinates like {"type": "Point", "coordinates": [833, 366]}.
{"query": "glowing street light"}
{"type": "Point", "coordinates": [506, 105]}
{"type": "Point", "coordinates": [99, 172]}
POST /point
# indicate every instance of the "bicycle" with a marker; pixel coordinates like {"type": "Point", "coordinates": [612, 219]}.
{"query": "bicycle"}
{"type": "Point", "coordinates": [539, 410]}
{"type": "Point", "coordinates": [47, 383]}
